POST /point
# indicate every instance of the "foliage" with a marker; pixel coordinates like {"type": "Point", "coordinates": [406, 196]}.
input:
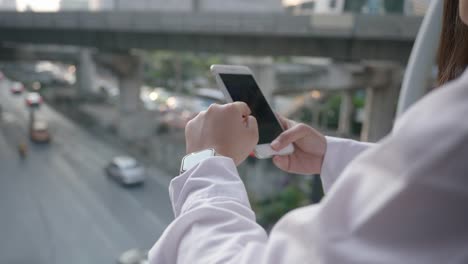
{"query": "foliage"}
{"type": "Point", "coordinates": [359, 100]}
{"type": "Point", "coordinates": [305, 115]}
{"type": "Point", "coordinates": [333, 113]}
{"type": "Point", "coordinates": [165, 68]}
{"type": "Point", "coordinates": [269, 211]}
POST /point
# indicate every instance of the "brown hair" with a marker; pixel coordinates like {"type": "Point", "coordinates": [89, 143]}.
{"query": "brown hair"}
{"type": "Point", "coordinates": [452, 57]}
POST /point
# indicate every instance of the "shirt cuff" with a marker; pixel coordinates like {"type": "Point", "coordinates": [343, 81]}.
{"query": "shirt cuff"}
{"type": "Point", "coordinates": [215, 177]}
{"type": "Point", "coordinates": [340, 152]}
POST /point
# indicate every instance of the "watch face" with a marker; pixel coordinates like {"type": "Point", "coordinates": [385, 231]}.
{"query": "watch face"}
{"type": "Point", "coordinates": [195, 158]}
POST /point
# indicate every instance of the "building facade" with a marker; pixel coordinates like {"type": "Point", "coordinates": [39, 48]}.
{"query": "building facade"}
{"type": "Point", "coordinates": [7, 4]}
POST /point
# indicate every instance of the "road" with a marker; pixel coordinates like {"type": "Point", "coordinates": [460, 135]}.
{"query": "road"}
{"type": "Point", "coordinates": [57, 206]}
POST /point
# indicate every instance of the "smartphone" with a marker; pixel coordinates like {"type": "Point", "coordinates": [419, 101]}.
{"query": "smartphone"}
{"type": "Point", "coordinates": [238, 84]}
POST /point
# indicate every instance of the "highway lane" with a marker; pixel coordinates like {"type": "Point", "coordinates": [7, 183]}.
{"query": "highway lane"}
{"type": "Point", "coordinates": [58, 207]}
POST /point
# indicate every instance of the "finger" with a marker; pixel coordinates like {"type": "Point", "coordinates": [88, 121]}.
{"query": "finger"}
{"type": "Point", "coordinates": [196, 117]}
{"type": "Point", "coordinates": [243, 108]}
{"type": "Point", "coordinates": [251, 122]}
{"type": "Point", "coordinates": [193, 122]}
{"type": "Point", "coordinates": [252, 127]}
{"type": "Point", "coordinates": [282, 162]}
{"type": "Point", "coordinates": [212, 108]}
{"type": "Point", "coordinates": [290, 136]}
{"type": "Point", "coordinates": [199, 115]}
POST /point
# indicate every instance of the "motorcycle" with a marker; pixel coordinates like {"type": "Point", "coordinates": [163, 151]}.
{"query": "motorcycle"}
{"type": "Point", "coordinates": [22, 150]}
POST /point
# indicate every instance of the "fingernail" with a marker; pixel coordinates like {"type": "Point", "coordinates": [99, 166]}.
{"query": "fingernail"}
{"type": "Point", "coordinates": [275, 144]}
{"type": "Point", "coordinates": [276, 159]}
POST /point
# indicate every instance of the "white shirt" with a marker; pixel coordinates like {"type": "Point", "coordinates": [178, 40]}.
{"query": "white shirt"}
{"type": "Point", "coordinates": [404, 200]}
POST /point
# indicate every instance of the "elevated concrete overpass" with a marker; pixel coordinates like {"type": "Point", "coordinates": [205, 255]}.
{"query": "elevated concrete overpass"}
{"type": "Point", "coordinates": [343, 37]}
{"type": "Point", "coordinates": [37, 53]}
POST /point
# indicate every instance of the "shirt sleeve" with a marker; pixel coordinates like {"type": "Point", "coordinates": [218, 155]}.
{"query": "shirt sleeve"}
{"type": "Point", "coordinates": [403, 201]}
{"type": "Point", "coordinates": [340, 152]}
{"type": "Point", "coordinates": [383, 209]}
{"type": "Point", "coordinates": [214, 222]}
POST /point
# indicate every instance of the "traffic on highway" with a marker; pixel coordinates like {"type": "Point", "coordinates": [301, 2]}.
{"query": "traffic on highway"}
{"type": "Point", "coordinates": [58, 199]}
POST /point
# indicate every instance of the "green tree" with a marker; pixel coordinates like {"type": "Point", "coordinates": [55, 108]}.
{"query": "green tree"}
{"type": "Point", "coordinates": [165, 68]}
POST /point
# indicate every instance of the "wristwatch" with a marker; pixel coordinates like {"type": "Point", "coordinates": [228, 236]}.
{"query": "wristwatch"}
{"type": "Point", "coordinates": [192, 159]}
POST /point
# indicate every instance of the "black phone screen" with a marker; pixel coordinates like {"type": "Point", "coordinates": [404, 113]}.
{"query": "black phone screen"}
{"type": "Point", "coordinates": [242, 87]}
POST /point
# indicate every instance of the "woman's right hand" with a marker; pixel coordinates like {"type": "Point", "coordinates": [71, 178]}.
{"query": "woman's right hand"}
{"type": "Point", "coordinates": [309, 148]}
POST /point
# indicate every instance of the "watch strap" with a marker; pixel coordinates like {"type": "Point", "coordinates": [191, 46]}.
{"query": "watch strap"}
{"type": "Point", "coordinates": [193, 159]}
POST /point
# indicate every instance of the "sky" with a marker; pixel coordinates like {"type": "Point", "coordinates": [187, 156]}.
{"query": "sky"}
{"type": "Point", "coordinates": [38, 5]}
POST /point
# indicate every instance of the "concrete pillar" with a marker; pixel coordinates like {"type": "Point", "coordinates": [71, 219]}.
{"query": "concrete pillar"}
{"type": "Point", "coordinates": [346, 113]}
{"type": "Point", "coordinates": [85, 73]}
{"type": "Point", "coordinates": [133, 123]}
{"type": "Point", "coordinates": [130, 106]}
{"type": "Point", "coordinates": [196, 5]}
{"type": "Point", "coordinates": [381, 102]}
{"type": "Point", "coordinates": [130, 84]}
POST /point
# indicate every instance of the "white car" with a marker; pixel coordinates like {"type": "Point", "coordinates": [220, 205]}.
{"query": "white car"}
{"type": "Point", "coordinates": [126, 170]}
{"type": "Point", "coordinates": [33, 99]}
{"type": "Point", "coordinates": [39, 132]}
{"type": "Point", "coordinates": [16, 88]}
{"type": "Point", "coordinates": [134, 256]}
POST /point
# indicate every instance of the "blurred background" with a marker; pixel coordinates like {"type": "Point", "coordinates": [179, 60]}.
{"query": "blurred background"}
{"type": "Point", "coordinates": [95, 95]}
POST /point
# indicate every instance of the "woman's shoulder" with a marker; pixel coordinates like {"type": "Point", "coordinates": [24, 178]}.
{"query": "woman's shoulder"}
{"type": "Point", "coordinates": [445, 106]}
{"type": "Point", "coordinates": [429, 140]}
{"type": "Point", "coordinates": [438, 123]}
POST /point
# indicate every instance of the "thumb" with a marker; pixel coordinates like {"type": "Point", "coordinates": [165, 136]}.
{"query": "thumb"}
{"type": "Point", "coordinates": [290, 136]}
{"type": "Point", "coordinates": [281, 162]}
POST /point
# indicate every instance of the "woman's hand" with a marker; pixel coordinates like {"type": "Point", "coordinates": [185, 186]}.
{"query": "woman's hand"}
{"type": "Point", "coordinates": [309, 148]}
{"type": "Point", "coordinates": [229, 129]}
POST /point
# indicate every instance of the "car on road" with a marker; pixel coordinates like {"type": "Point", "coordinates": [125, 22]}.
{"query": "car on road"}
{"type": "Point", "coordinates": [39, 132]}
{"type": "Point", "coordinates": [16, 88]}
{"type": "Point", "coordinates": [127, 170]}
{"type": "Point", "coordinates": [134, 256]}
{"type": "Point", "coordinates": [33, 99]}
